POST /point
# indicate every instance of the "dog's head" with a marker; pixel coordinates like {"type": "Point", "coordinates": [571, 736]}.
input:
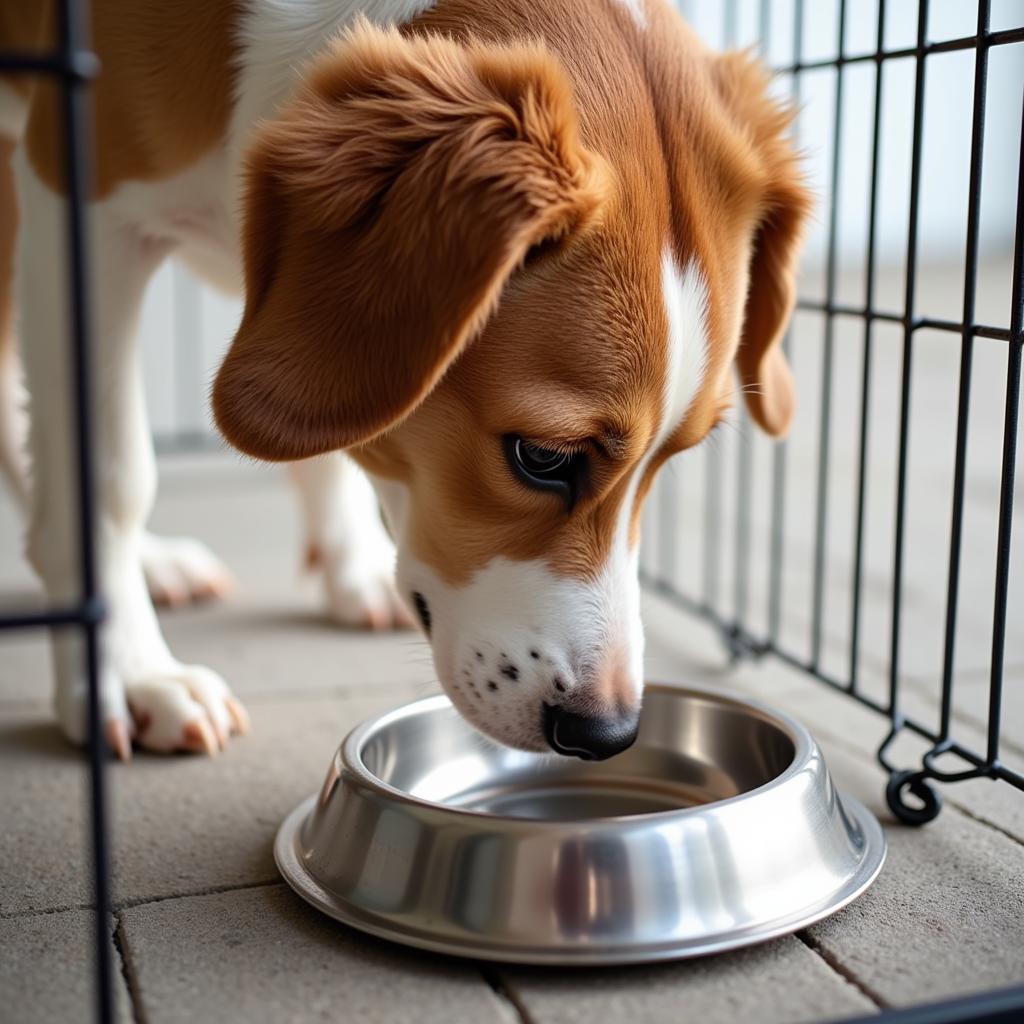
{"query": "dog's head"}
{"type": "Point", "coordinates": [512, 283]}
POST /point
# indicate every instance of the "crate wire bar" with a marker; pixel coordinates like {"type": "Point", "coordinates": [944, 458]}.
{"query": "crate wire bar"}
{"type": "Point", "coordinates": [74, 66]}
{"type": "Point", "coordinates": [738, 636]}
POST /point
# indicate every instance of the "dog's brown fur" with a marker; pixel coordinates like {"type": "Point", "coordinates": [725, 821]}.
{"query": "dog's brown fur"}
{"type": "Point", "coordinates": [429, 164]}
{"type": "Point", "coordinates": [388, 209]}
{"type": "Point", "coordinates": [162, 99]}
{"type": "Point", "coordinates": [390, 205]}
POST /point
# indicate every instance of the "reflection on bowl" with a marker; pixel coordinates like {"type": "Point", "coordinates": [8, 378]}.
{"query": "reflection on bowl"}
{"type": "Point", "coordinates": [718, 828]}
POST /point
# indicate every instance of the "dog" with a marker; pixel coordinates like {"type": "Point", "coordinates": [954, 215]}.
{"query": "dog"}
{"type": "Point", "coordinates": [499, 260]}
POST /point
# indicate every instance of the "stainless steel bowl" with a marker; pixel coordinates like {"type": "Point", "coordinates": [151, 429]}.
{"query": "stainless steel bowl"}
{"type": "Point", "coordinates": [719, 828]}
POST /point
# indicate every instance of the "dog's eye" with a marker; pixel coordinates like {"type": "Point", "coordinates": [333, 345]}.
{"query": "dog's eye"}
{"type": "Point", "coordinates": [546, 469]}
{"type": "Point", "coordinates": [536, 461]}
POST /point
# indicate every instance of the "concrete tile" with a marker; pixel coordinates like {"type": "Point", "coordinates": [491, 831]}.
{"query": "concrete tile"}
{"type": "Point", "coordinates": [47, 970]}
{"type": "Point", "coordinates": [194, 824]}
{"type": "Point", "coordinates": [43, 851]}
{"type": "Point", "coordinates": [265, 644]}
{"type": "Point", "coordinates": [945, 917]}
{"type": "Point", "coordinates": [24, 655]}
{"type": "Point", "coordinates": [247, 514]}
{"type": "Point", "coordinates": [681, 648]}
{"type": "Point", "coordinates": [780, 981]}
{"type": "Point", "coordinates": [181, 824]}
{"type": "Point", "coordinates": [24, 666]}
{"type": "Point", "coordinates": [263, 955]}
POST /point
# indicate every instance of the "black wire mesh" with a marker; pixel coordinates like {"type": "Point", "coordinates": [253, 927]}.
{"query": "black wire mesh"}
{"type": "Point", "coordinates": [744, 639]}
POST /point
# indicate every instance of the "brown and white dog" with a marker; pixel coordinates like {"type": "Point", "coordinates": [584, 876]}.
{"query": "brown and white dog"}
{"type": "Point", "coordinates": [503, 255]}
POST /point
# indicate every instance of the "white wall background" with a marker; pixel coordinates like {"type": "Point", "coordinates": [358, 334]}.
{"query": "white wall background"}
{"type": "Point", "coordinates": [947, 116]}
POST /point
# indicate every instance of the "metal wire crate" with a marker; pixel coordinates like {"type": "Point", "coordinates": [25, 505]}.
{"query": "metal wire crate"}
{"type": "Point", "coordinates": [744, 640]}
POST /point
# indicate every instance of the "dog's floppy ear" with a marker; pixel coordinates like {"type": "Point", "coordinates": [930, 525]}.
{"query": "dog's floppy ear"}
{"type": "Point", "coordinates": [785, 204]}
{"type": "Point", "coordinates": [766, 377]}
{"type": "Point", "coordinates": [386, 208]}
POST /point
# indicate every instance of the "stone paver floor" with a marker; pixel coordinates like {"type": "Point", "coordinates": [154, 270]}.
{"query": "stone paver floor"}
{"type": "Point", "coordinates": [204, 930]}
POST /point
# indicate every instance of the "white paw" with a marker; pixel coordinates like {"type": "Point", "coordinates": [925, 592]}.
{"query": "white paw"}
{"type": "Point", "coordinates": [180, 570]}
{"type": "Point", "coordinates": [360, 587]}
{"type": "Point", "coordinates": [185, 707]}
{"type": "Point", "coordinates": [71, 704]}
{"type": "Point", "coordinates": [177, 708]}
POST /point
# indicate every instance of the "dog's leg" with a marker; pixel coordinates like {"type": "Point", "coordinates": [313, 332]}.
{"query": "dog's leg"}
{"type": "Point", "coordinates": [13, 421]}
{"type": "Point", "coordinates": [146, 692]}
{"type": "Point", "coordinates": [180, 570]}
{"type": "Point", "coordinates": [346, 540]}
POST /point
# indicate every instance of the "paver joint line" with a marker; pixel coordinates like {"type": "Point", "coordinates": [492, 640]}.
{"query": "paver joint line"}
{"type": "Point", "coordinates": [13, 915]}
{"type": "Point", "coordinates": [507, 996]}
{"type": "Point", "coordinates": [967, 812]}
{"type": "Point", "coordinates": [842, 970]}
{"type": "Point", "coordinates": [143, 901]}
{"type": "Point", "coordinates": [131, 982]}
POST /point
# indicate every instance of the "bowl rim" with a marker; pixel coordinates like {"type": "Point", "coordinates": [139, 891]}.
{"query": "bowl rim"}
{"type": "Point", "coordinates": [297, 874]}
{"type": "Point", "coordinates": [805, 747]}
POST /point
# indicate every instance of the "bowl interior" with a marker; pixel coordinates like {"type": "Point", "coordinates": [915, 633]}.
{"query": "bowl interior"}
{"type": "Point", "coordinates": [692, 749]}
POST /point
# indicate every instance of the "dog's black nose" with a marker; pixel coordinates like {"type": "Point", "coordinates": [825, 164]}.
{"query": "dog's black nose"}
{"type": "Point", "coordinates": [590, 737]}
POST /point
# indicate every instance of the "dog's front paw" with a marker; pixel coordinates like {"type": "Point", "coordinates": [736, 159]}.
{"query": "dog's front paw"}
{"type": "Point", "coordinates": [360, 587]}
{"type": "Point", "coordinates": [71, 701]}
{"type": "Point", "coordinates": [180, 570]}
{"type": "Point", "coordinates": [184, 708]}
{"type": "Point", "coordinates": [175, 708]}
